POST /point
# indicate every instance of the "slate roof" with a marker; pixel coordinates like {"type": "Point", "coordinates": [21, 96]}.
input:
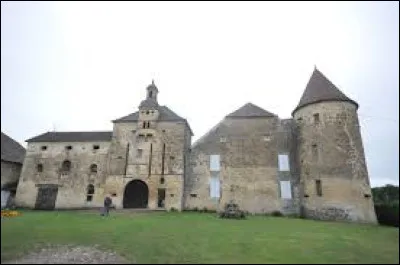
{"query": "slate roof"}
{"type": "Point", "coordinates": [72, 137]}
{"type": "Point", "coordinates": [250, 110]}
{"type": "Point", "coordinates": [166, 114]}
{"type": "Point", "coordinates": [320, 88]}
{"type": "Point", "coordinates": [11, 150]}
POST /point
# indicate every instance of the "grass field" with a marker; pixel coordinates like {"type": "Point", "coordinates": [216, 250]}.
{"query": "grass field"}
{"type": "Point", "coordinates": [198, 237]}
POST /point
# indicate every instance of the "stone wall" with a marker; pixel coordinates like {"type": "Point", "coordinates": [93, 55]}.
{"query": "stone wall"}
{"type": "Point", "coordinates": [73, 185]}
{"type": "Point", "coordinates": [144, 160]}
{"type": "Point", "coordinates": [330, 150]}
{"type": "Point", "coordinates": [248, 150]}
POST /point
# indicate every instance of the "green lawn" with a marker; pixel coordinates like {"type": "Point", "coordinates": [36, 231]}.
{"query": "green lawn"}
{"type": "Point", "coordinates": [199, 237]}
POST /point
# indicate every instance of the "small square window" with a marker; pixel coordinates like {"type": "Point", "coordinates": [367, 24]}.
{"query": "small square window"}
{"type": "Point", "coordinates": [96, 147]}
{"type": "Point", "coordinates": [172, 157]}
{"type": "Point", "coordinates": [68, 147]}
{"type": "Point", "coordinates": [193, 195]}
{"type": "Point", "coordinates": [44, 148]}
{"type": "Point", "coordinates": [113, 195]}
{"type": "Point", "coordinates": [222, 139]}
{"type": "Point", "coordinates": [172, 195]}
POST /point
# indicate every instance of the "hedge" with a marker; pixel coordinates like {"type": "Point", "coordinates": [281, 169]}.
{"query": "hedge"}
{"type": "Point", "coordinates": [387, 214]}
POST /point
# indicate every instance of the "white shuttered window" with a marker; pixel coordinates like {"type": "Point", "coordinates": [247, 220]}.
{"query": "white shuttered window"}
{"type": "Point", "coordinates": [286, 191]}
{"type": "Point", "coordinates": [283, 161]}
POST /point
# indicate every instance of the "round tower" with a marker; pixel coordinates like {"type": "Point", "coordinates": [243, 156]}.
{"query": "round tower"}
{"type": "Point", "coordinates": [330, 154]}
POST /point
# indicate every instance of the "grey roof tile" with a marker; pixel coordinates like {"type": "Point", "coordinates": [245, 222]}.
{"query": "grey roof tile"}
{"type": "Point", "coordinates": [250, 110]}
{"type": "Point", "coordinates": [72, 137]}
{"type": "Point", "coordinates": [11, 150]}
{"type": "Point", "coordinates": [319, 89]}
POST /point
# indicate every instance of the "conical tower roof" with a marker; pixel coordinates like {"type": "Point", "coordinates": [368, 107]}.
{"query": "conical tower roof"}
{"type": "Point", "coordinates": [320, 89]}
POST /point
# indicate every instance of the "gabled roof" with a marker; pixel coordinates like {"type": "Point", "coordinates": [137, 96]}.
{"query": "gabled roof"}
{"type": "Point", "coordinates": [72, 137]}
{"type": "Point", "coordinates": [11, 150]}
{"type": "Point", "coordinates": [319, 89]}
{"type": "Point", "coordinates": [250, 110]}
{"type": "Point", "coordinates": [165, 114]}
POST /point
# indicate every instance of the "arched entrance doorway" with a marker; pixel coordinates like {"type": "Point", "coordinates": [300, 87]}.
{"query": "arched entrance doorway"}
{"type": "Point", "coordinates": [136, 194]}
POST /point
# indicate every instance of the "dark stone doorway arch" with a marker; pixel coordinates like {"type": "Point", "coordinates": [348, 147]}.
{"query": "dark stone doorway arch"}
{"type": "Point", "coordinates": [136, 194]}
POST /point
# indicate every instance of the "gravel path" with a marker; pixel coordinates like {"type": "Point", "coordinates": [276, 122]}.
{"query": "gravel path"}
{"type": "Point", "coordinates": [70, 255]}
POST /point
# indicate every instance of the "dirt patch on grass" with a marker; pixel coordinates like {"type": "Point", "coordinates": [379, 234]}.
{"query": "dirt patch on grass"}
{"type": "Point", "coordinates": [70, 255]}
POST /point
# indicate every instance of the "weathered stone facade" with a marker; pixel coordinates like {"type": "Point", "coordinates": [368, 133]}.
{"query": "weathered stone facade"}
{"type": "Point", "coordinates": [312, 165]}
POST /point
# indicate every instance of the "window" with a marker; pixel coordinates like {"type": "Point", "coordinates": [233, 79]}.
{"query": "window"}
{"type": "Point", "coordinates": [316, 118]}
{"type": "Point", "coordinates": [172, 157]}
{"type": "Point", "coordinates": [214, 162]}
{"type": "Point", "coordinates": [96, 147]}
{"type": "Point", "coordinates": [144, 125]}
{"type": "Point", "coordinates": [93, 168]}
{"type": "Point", "coordinates": [283, 160]}
{"type": "Point", "coordinates": [318, 187]}
{"type": "Point", "coordinates": [286, 192]}
{"type": "Point", "coordinates": [314, 151]}
{"type": "Point", "coordinates": [44, 148]}
{"type": "Point", "coordinates": [162, 180]}
{"type": "Point", "coordinates": [68, 147]}
{"type": "Point", "coordinates": [148, 124]}
{"type": "Point", "coordinates": [66, 166]}
{"type": "Point", "coordinates": [39, 168]}
{"type": "Point", "coordinates": [113, 195]}
{"type": "Point", "coordinates": [163, 131]}
{"type": "Point", "coordinates": [89, 192]}
{"type": "Point", "coordinates": [148, 112]}
{"type": "Point", "coordinates": [214, 185]}
{"type": "Point", "coordinates": [222, 139]}
{"type": "Point", "coordinates": [139, 153]}
{"type": "Point", "coordinates": [193, 195]}
{"type": "Point", "coordinates": [150, 94]}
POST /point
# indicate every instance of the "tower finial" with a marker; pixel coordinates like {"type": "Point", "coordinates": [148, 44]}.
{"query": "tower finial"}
{"type": "Point", "coordinates": [152, 81]}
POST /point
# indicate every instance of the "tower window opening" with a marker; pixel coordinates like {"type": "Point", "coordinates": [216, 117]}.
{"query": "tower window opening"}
{"type": "Point", "coordinates": [318, 187]}
{"type": "Point", "coordinates": [316, 118]}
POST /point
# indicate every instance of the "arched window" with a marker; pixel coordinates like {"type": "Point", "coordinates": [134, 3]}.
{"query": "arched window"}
{"type": "Point", "coordinates": [66, 166]}
{"type": "Point", "coordinates": [93, 168]}
{"type": "Point", "coordinates": [89, 192]}
{"type": "Point", "coordinates": [144, 124]}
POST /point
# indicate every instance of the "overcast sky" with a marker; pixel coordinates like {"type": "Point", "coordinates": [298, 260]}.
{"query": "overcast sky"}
{"type": "Point", "coordinates": [79, 65]}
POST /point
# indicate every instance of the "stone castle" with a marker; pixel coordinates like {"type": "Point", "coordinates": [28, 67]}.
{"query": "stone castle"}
{"type": "Point", "coordinates": [311, 165]}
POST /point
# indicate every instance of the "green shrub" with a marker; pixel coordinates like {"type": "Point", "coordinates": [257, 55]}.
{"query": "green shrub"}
{"type": "Point", "coordinates": [387, 214]}
{"type": "Point", "coordinates": [173, 209]}
{"type": "Point", "coordinates": [276, 213]}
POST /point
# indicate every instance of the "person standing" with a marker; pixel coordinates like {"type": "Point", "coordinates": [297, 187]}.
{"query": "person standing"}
{"type": "Point", "coordinates": [107, 205]}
